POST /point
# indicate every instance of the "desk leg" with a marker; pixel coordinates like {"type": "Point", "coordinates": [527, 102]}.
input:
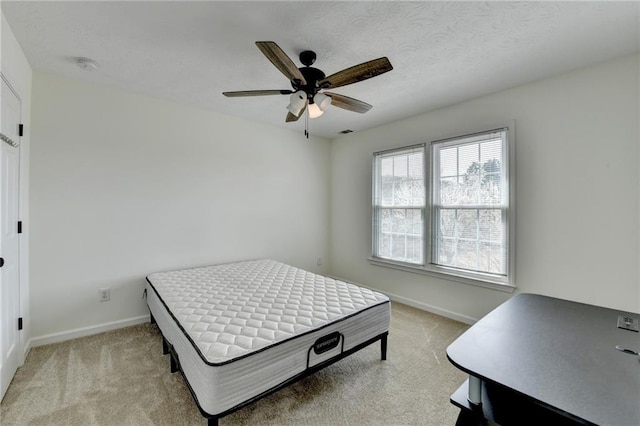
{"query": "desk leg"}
{"type": "Point", "coordinates": [471, 418]}
{"type": "Point", "coordinates": [474, 395]}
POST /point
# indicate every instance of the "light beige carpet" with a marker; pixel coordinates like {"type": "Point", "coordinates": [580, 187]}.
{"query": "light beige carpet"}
{"type": "Point", "coordinates": [122, 378]}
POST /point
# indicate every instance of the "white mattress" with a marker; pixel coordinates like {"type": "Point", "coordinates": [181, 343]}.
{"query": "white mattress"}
{"type": "Point", "coordinates": [241, 329]}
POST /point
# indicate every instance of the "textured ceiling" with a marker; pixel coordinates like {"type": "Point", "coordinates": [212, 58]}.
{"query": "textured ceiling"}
{"type": "Point", "coordinates": [442, 52]}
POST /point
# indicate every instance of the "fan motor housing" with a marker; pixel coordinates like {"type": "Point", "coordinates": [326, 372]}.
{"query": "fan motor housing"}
{"type": "Point", "coordinates": [312, 76]}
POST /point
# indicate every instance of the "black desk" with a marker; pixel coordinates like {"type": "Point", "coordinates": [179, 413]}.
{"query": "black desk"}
{"type": "Point", "coordinates": [536, 358]}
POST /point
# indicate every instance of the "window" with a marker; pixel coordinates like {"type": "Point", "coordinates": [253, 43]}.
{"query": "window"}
{"type": "Point", "coordinates": [470, 204]}
{"type": "Point", "coordinates": [446, 208]}
{"type": "Point", "coordinates": [399, 204]}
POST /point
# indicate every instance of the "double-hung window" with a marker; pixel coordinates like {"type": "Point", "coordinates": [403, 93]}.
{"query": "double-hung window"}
{"type": "Point", "coordinates": [399, 205]}
{"type": "Point", "coordinates": [446, 208]}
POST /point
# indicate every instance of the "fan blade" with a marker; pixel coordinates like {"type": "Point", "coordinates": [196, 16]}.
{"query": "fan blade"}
{"type": "Point", "coordinates": [345, 102]}
{"type": "Point", "coordinates": [357, 73]}
{"type": "Point", "coordinates": [292, 117]}
{"type": "Point", "coordinates": [276, 55]}
{"type": "Point", "coordinates": [257, 93]}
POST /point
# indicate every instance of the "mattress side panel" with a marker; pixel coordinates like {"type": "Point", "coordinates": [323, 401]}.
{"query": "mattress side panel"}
{"type": "Point", "coordinates": [254, 375]}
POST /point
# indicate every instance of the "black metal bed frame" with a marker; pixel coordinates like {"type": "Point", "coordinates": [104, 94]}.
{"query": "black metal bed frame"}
{"type": "Point", "coordinates": [167, 348]}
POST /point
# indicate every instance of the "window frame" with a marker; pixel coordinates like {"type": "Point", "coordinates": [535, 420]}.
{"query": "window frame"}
{"type": "Point", "coordinates": [492, 281]}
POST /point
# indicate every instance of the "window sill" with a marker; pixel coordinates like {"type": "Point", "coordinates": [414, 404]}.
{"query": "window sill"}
{"type": "Point", "coordinates": [443, 273]}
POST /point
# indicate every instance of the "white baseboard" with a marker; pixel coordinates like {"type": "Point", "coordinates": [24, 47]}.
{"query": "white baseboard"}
{"type": "Point", "coordinates": [85, 331]}
{"type": "Point", "coordinates": [420, 305]}
{"type": "Point", "coordinates": [433, 309]}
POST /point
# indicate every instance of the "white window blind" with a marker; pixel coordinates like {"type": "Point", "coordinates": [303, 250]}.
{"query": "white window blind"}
{"type": "Point", "coordinates": [470, 203]}
{"type": "Point", "coordinates": [399, 204]}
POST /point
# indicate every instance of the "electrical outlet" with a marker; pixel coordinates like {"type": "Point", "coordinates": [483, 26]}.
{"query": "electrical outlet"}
{"type": "Point", "coordinates": [105, 294]}
{"type": "Point", "coordinates": [319, 261]}
{"type": "Point", "coordinates": [628, 323]}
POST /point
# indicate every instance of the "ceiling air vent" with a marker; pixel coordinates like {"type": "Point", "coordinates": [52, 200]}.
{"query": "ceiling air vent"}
{"type": "Point", "coordinates": [344, 132]}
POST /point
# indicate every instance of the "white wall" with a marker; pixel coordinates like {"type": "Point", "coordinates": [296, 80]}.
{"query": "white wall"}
{"type": "Point", "coordinates": [16, 69]}
{"type": "Point", "coordinates": [123, 185]}
{"type": "Point", "coordinates": [577, 192]}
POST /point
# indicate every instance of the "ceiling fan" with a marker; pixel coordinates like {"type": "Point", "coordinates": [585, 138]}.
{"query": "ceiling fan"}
{"type": "Point", "coordinates": [309, 83]}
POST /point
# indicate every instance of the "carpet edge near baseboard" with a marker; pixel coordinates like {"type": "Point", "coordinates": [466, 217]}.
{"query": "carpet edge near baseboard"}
{"type": "Point", "coordinates": [83, 332]}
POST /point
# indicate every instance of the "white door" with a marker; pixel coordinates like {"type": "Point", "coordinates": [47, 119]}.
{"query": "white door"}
{"type": "Point", "coordinates": [9, 245]}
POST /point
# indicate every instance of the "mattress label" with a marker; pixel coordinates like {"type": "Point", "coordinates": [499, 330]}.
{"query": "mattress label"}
{"type": "Point", "coordinates": [326, 343]}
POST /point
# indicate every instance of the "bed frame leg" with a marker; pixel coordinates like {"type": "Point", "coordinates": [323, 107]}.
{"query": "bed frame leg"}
{"type": "Point", "coordinates": [174, 364]}
{"type": "Point", "coordinates": [165, 346]}
{"type": "Point", "coordinates": [212, 421]}
{"type": "Point", "coordinates": [383, 347]}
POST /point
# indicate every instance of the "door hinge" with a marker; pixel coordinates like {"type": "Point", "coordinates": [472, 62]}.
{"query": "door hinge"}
{"type": "Point", "coordinates": [20, 323]}
{"type": "Point", "coordinates": [19, 227]}
{"type": "Point", "coordinates": [20, 129]}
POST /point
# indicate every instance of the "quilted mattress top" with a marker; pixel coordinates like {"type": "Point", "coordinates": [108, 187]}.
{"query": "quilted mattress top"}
{"type": "Point", "coordinates": [234, 309]}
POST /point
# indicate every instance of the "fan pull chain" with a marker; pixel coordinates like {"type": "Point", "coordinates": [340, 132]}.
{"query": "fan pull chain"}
{"type": "Point", "coordinates": [306, 123]}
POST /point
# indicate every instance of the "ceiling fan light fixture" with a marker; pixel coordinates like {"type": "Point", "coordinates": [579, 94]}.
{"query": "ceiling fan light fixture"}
{"type": "Point", "coordinates": [323, 101]}
{"type": "Point", "coordinates": [308, 81]}
{"type": "Point", "coordinates": [297, 101]}
{"type": "Point", "coordinates": [314, 110]}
